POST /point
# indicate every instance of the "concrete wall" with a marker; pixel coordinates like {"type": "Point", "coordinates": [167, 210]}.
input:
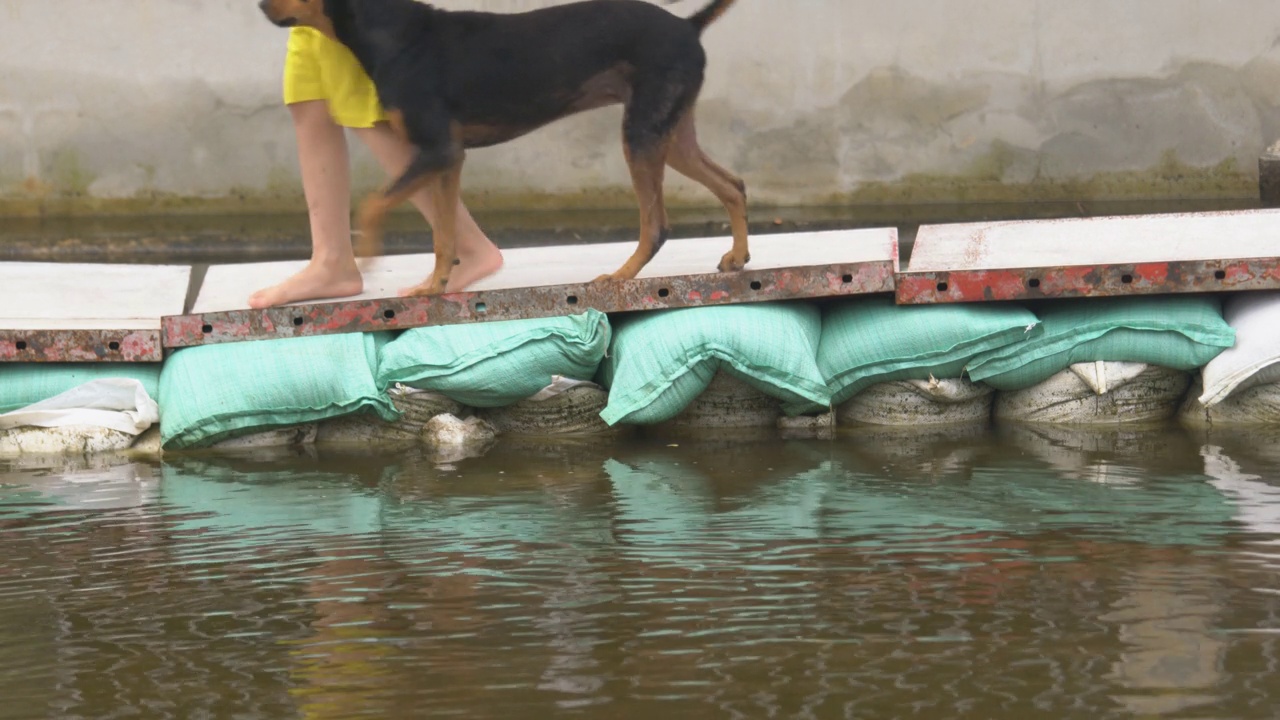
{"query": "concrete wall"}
{"type": "Point", "coordinates": [147, 105]}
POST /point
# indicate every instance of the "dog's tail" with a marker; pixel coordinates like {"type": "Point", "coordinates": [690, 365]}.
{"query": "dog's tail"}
{"type": "Point", "coordinates": [709, 14]}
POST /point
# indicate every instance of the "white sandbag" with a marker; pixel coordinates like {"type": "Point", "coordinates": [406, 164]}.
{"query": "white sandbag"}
{"type": "Point", "coordinates": [729, 402]}
{"type": "Point", "coordinates": [565, 407]}
{"type": "Point", "coordinates": [105, 415]}
{"type": "Point", "coordinates": [1254, 405]}
{"type": "Point", "coordinates": [279, 437]}
{"type": "Point", "coordinates": [148, 445]}
{"type": "Point", "coordinates": [120, 404]}
{"type": "Point", "coordinates": [1103, 377]}
{"type": "Point", "coordinates": [808, 427]}
{"type": "Point", "coordinates": [370, 430]}
{"type": "Point", "coordinates": [67, 440]}
{"type": "Point", "coordinates": [905, 403]}
{"type": "Point", "coordinates": [1098, 394]}
{"type": "Point", "coordinates": [1255, 359]}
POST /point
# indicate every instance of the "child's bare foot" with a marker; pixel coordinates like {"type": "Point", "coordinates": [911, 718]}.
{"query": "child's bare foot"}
{"type": "Point", "coordinates": [474, 267]}
{"type": "Point", "coordinates": [317, 281]}
{"type": "Point", "coordinates": [471, 269]}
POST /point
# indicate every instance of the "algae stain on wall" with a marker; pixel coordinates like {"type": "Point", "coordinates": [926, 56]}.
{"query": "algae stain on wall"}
{"type": "Point", "coordinates": [67, 173]}
{"type": "Point", "coordinates": [894, 137]}
{"type": "Point", "coordinates": [1169, 178]}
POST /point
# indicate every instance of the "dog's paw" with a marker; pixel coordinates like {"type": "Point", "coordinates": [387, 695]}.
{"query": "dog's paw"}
{"type": "Point", "coordinates": [422, 290]}
{"type": "Point", "coordinates": [733, 263]}
{"type": "Point", "coordinates": [427, 289]}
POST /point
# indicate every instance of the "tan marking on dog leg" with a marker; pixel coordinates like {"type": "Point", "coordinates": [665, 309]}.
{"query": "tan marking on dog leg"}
{"type": "Point", "coordinates": [647, 172]}
{"type": "Point", "coordinates": [687, 158]}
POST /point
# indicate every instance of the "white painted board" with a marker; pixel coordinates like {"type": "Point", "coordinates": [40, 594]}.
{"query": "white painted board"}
{"type": "Point", "coordinates": [62, 296]}
{"type": "Point", "coordinates": [1072, 242]}
{"type": "Point", "coordinates": [228, 287]}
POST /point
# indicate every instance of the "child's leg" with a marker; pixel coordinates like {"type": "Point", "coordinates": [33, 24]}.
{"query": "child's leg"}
{"type": "Point", "coordinates": [478, 257]}
{"type": "Point", "coordinates": [326, 181]}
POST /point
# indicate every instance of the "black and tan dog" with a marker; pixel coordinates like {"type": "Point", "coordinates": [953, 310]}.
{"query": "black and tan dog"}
{"type": "Point", "coordinates": [453, 80]}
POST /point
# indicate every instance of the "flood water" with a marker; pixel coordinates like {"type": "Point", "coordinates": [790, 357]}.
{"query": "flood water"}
{"type": "Point", "coordinates": [1015, 573]}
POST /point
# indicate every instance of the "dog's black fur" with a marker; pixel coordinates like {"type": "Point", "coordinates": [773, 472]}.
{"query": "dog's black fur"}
{"type": "Point", "coordinates": [453, 80]}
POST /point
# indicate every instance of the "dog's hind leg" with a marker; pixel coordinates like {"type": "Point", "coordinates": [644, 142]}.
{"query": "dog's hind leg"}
{"type": "Point", "coordinates": [651, 116]}
{"type": "Point", "coordinates": [687, 158]}
{"type": "Point", "coordinates": [647, 173]}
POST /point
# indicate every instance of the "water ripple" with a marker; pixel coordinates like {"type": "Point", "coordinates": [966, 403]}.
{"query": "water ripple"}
{"type": "Point", "coordinates": [1030, 573]}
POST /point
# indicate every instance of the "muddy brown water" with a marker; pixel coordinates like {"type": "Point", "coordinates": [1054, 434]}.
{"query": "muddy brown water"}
{"type": "Point", "coordinates": [1010, 573]}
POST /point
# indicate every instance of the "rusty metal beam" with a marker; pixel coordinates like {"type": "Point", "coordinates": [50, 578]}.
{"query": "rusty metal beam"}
{"type": "Point", "coordinates": [1094, 257]}
{"type": "Point", "coordinates": [80, 346]}
{"type": "Point", "coordinates": [659, 293]}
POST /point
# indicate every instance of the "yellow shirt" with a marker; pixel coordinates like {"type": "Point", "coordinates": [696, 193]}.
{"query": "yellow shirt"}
{"type": "Point", "coordinates": [318, 68]}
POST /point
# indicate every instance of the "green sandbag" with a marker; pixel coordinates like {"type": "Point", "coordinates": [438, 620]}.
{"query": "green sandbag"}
{"type": "Point", "coordinates": [1179, 332]}
{"type": "Point", "coordinates": [661, 361]}
{"type": "Point", "coordinates": [872, 341]}
{"type": "Point", "coordinates": [218, 392]}
{"type": "Point", "coordinates": [23, 384]}
{"type": "Point", "coordinates": [495, 364]}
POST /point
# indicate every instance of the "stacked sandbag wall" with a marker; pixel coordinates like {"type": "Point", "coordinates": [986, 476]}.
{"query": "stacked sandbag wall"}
{"type": "Point", "coordinates": [863, 362]}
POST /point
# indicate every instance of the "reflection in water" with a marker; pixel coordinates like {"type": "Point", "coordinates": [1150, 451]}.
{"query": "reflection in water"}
{"type": "Point", "coordinates": [1172, 657]}
{"type": "Point", "coordinates": [1024, 572]}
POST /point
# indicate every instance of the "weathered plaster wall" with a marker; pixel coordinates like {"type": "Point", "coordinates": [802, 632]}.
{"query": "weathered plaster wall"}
{"type": "Point", "coordinates": [146, 105]}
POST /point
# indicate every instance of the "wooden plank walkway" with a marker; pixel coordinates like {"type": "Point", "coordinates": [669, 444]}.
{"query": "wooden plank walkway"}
{"type": "Point", "coordinates": [52, 312]}
{"type": "Point", "coordinates": [548, 282]}
{"type": "Point", "coordinates": [1093, 257]}
{"type": "Point", "coordinates": [55, 312]}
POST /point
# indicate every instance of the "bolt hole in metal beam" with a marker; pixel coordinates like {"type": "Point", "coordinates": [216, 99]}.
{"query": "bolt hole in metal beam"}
{"type": "Point", "coordinates": [482, 308]}
{"type": "Point", "coordinates": [297, 322]}
{"type": "Point", "coordinates": [1126, 279]}
{"type": "Point", "coordinates": [664, 292]}
{"type": "Point", "coordinates": [846, 279]}
{"type": "Point", "coordinates": [206, 328]}
{"type": "Point", "coordinates": [113, 346]}
{"type": "Point", "coordinates": [572, 299]}
{"type": "Point", "coordinates": [389, 314]}
{"type": "Point", "coordinates": [21, 344]}
{"type": "Point", "coordinates": [1033, 283]}
{"type": "Point", "coordinates": [943, 287]}
{"type": "Point", "coordinates": [1220, 275]}
{"type": "Point", "coordinates": [755, 285]}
